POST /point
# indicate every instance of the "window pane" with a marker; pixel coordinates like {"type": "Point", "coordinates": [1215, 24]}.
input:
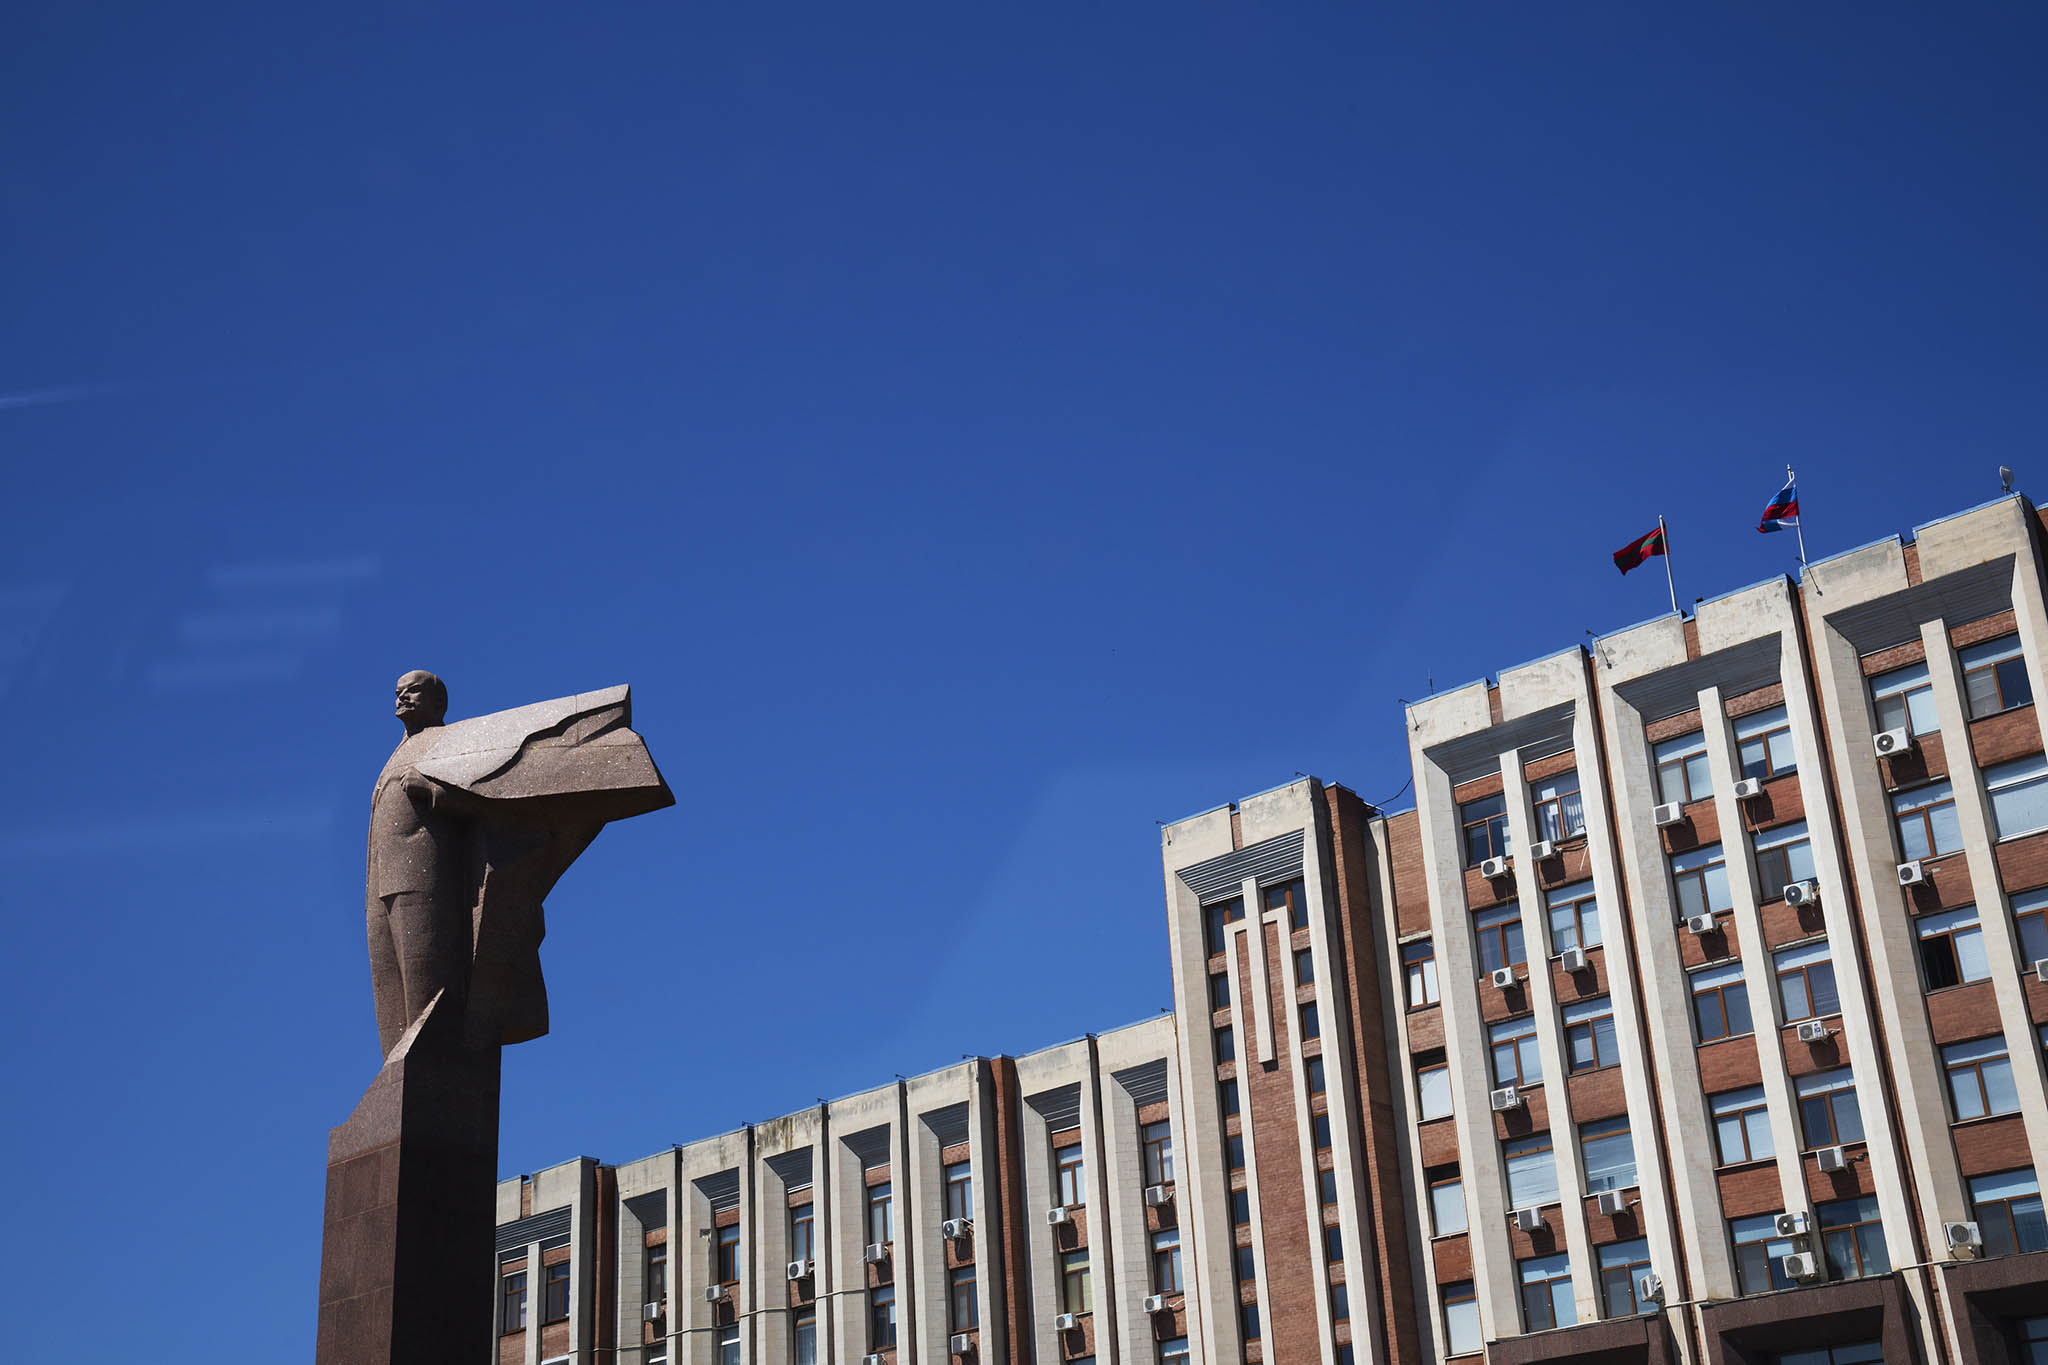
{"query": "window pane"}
{"type": "Point", "coordinates": [1447, 1207]}
{"type": "Point", "coordinates": [1433, 1088]}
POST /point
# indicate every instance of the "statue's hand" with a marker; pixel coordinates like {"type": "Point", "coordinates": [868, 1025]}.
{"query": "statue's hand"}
{"type": "Point", "coordinates": [418, 789]}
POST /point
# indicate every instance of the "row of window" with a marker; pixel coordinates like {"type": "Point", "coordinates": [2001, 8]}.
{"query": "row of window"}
{"type": "Point", "coordinates": [554, 1302]}
{"type": "Point", "coordinates": [1217, 916]}
{"type": "Point", "coordinates": [1557, 813]}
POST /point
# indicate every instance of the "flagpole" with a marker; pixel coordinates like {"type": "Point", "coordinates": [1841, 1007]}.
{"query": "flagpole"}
{"type": "Point", "coordinates": [1665, 536]}
{"type": "Point", "coordinates": [1798, 522]}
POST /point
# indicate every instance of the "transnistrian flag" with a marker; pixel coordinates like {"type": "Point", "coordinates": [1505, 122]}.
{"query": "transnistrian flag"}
{"type": "Point", "coordinates": [1639, 550]}
{"type": "Point", "coordinates": [1783, 513]}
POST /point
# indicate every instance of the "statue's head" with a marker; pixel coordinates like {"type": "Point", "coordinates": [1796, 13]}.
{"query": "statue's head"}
{"type": "Point", "coordinates": [422, 700]}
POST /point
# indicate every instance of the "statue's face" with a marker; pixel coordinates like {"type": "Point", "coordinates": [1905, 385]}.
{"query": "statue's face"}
{"type": "Point", "coordinates": [420, 697]}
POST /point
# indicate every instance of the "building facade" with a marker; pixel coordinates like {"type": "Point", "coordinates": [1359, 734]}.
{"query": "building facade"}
{"type": "Point", "coordinates": [1695, 1013]}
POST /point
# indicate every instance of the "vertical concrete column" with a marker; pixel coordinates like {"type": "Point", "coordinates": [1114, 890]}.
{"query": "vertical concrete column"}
{"type": "Point", "coordinates": [843, 1236]}
{"type": "Point", "coordinates": [983, 1159]}
{"type": "Point", "coordinates": [1102, 1211]}
{"type": "Point", "coordinates": [1262, 1008]}
{"type": "Point", "coordinates": [765, 1234]}
{"type": "Point", "coordinates": [1122, 1297]}
{"type": "Point", "coordinates": [1190, 1171]}
{"type": "Point", "coordinates": [1039, 1196]}
{"type": "Point", "coordinates": [921, 1196]}
{"type": "Point", "coordinates": [699, 1343]}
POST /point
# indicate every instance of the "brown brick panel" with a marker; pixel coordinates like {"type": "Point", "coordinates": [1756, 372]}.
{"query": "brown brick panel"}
{"type": "Point", "coordinates": [1268, 1098]}
{"type": "Point", "coordinates": [554, 1340]}
{"type": "Point", "coordinates": [1729, 1064]}
{"type": "Point", "coordinates": [1010, 1230]}
{"type": "Point", "coordinates": [1573, 863]}
{"type": "Point", "coordinates": [1671, 727]}
{"type": "Point", "coordinates": [1483, 894]}
{"type": "Point", "coordinates": [1603, 1228]}
{"type": "Point", "coordinates": [1750, 1188]}
{"type": "Point", "coordinates": [2023, 863]}
{"type": "Point", "coordinates": [1701, 825]}
{"type": "Point", "coordinates": [2007, 735]}
{"type": "Point", "coordinates": [1987, 1145]}
{"type": "Point", "coordinates": [604, 1326]}
{"type": "Point", "coordinates": [1849, 1183]}
{"type": "Point", "coordinates": [1550, 767]}
{"type": "Point", "coordinates": [1571, 986]}
{"type": "Point", "coordinates": [1438, 1142]}
{"type": "Point", "coordinates": [1898, 656]}
{"type": "Point", "coordinates": [1779, 803]}
{"type": "Point", "coordinates": [1596, 1095]}
{"type": "Point", "coordinates": [1924, 762]}
{"type": "Point", "coordinates": [1696, 950]}
{"type": "Point", "coordinates": [1748, 703]}
{"type": "Point", "coordinates": [1947, 886]}
{"type": "Point", "coordinates": [1451, 1258]}
{"type": "Point", "coordinates": [512, 1348]}
{"type": "Point", "coordinates": [1804, 1059]}
{"type": "Point", "coordinates": [1425, 1028]}
{"type": "Point", "coordinates": [1489, 784]}
{"type": "Point", "coordinates": [1983, 628]}
{"type": "Point", "coordinates": [1496, 1004]}
{"type": "Point", "coordinates": [1411, 882]}
{"type": "Point", "coordinates": [1533, 1116]}
{"type": "Point", "coordinates": [2037, 996]}
{"type": "Point", "coordinates": [1545, 1241]}
{"type": "Point", "coordinates": [1963, 1012]}
{"type": "Point", "coordinates": [1785, 924]}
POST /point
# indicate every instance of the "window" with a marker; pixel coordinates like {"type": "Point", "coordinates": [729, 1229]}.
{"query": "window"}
{"type": "Point", "coordinates": [512, 1302]}
{"type": "Point", "coordinates": [2033, 1340]}
{"type": "Point", "coordinates": [802, 1241]}
{"type": "Point", "coordinates": [1532, 1171]}
{"type": "Point", "coordinates": [1319, 1125]}
{"type": "Point", "coordinates": [1461, 1319]}
{"type": "Point", "coordinates": [1240, 1208]}
{"type": "Point", "coordinates": [1418, 959]}
{"type": "Point", "coordinates": [1682, 774]}
{"type": "Point", "coordinates": [1333, 1245]}
{"type": "Point", "coordinates": [1559, 812]}
{"type": "Point", "coordinates": [1759, 1253]}
{"type": "Point", "coordinates": [1433, 1089]}
{"type": "Point", "coordinates": [1828, 1113]}
{"type": "Point", "coordinates": [1247, 1322]}
{"type": "Point", "coordinates": [1783, 856]}
{"type": "Point", "coordinates": [1075, 1294]}
{"type": "Point", "coordinates": [1311, 1022]}
{"type": "Point", "coordinates": [1173, 1351]}
{"type": "Point", "coordinates": [1326, 1188]}
{"type": "Point", "coordinates": [1857, 1353]}
{"type": "Point", "coordinates": [1226, 1044]}
{"type": "Point", "coordinates": [1806, 982]}
{"type": "Point", "coordinates": [654, 1276]}
{"type": "Point", "coordinates": [1620, 1263]}
{"type": "Point", "coordinates": [962, 1308]}
{"type": "Point", "coordinates": [959, 1190]}
{"type": "Point", "coordinates": [882, 1318]}
{"type": "Point", "coordinates": [1853, 1238]}
{"type": "Point", "coordinates": [1516, 1060]}
{"type": "Point", "coordinates": [1763, 744]}
{"type": "Point", "coordinates": [1166, 1261]}
{"type": "Point", "coordinates": [1219, 991]}
{"type": "Point", "coordinates": [1072, 1175]}
{"type": "Point", "coordinates": [2019, 796]}
{"type": "Point", "coordinates": [1226, 1097]}
{"type": "Point", "coordinates": [1547, 1292]}
{"type": "Point", "coordinates": [805, 1347]}
{"type": "Point", "coordinates": [1233, 1153]}
{"type": "Point", "coordinates": [1314, 1068]}
{"type": "Point", "coordinates": [2030, 913]}
{"type": "Point", "coordinates": [1980, 1078]}
{"type": "Point", "coordinates": [1214, 917]}
{"type": "Point", "coordinates": [1905, 700]}
{"type": "Point", "coordinates": [729, 1345]}
{"type": "Point", "coordinates": [1589, 1034]}
{"type": "Point", "coordinates": [1609, 1153]}
{"type": "Point", "coordinates": [1995, 677]}
{"type": "Point", "coordinates": [1699, 880]}
{"type": "Point", "coordinates": [1498, 935]}
{"type": "Point", "coordinates": [1486, 828]}
{"type": "Point", "coordinates": [1952, 948]}
{"type": "Point", "coordinates": [1926, 820]}
{"type": "Point", "coordinates": [1574, 917]}
{"type": "Point", "coordinates": [1156, 1139]}
{"type": "Point", "coordinates": [1305, 967]}
{"type": "Point", "coordinates": [1291, 897]}
{"type": "Point", "coordinates": [728, 1254]}
{"type": "Point", "coordinates": [1340, 1304]}
{"type": "Point", "coordinates": [554, 1292]}
{"type": "Point", "coordinates": [1742, 1125]}
{"type": "Point", "coordinates": [1720, 1002]}
{"type": "Point", "coordinates": [2007, 1210]}
{"type": "Point", "coordinates": [1446, 1200]}
{"type": "Point", "coordinates": [1247, 1264]}
{"type": "Point", "coordinates": [881, 1214]}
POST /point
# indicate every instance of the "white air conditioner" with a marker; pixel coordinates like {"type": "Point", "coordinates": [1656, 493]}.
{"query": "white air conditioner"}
{"type": "Point", "coordinates": [1066, 1322]}
{"type": "Point", "coordinates": [1791, 1225]}
{"type": "Point", "coordinates": [1506, 1098]}
{"type": "Point", "coordinates": [1493, 869]}
{"type": "Point", "coordinates": [1155, 1303]}
{"type": "Point", "coordinates": [1542, 851]}
{"type": "Point", "coordinates": [1613, 1202]}
{"type": "Point", "coordinates": [1831, 1159]}
{"type": "Point", "coordinates": [956, 1229]}
{"type": "Point", "coordinates": [1802, 893]}
{"type": "Point", "coordinates": [874, 1358]}
{"type": "Point", "coordinates": [1058, 1214]}
{"type": "Point", "coordinates": [1572, 959]}
{"type": "Point", "coordinates": [874, 1253]}
{"type": "Point", "coordinates": [960, 1344]}
{"type": "Point", "coordinates": [1650, 1288]}
{"type": "Point", "coordinates": [1701, 925]}
{"type": "Point", "coordinates": [1964, 1239]}
{"type": "Point", "coordinates": [650, 1312]}
{"type": "Point", "coordinates": [1528, 1220]}
{"type": "Point", "coordinates": [1158, 1196]}
{"type": "Point", "coordinates": [2041, 971]}
{"type": "Point", "coordinates": [1891, 743]}
{"type": "Point", "coordinates": [1748, 787]}
{"type": "Point", "coordinates": [796, 1270]}
{"type": "Point", "coordinates": [1813, 1030]}
{"type": "Point", "coordinates": [1801, 1265]}
{"type": "Point", "coordinates": [1503, 977]}
{"type": "Point", "coordinates": [1912, 873]}
{"type": "Point", "coordinates": [713, 1293]}
{"type": "Point", "coordinates": [1666, 815]}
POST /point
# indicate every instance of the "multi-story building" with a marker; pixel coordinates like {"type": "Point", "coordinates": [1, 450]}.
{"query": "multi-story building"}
{"type": "Point", "coordinates": [1694, 1013]}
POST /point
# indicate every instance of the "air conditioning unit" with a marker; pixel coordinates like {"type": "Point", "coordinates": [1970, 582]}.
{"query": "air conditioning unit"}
{"type": "Point", "coordinates": [1528, 1220]}
{"type": "Point", "coordinates": [956, 1229]}
{"type": "Point", "coordinates": [1156, 1303]}
{"type": "Point", "coordinates": [1506, 1098]}
{"type": "Point", "coordinates": [1801, 1265]}
{"type": "Point", "coordinates": [796, 1270]}
{"type": "Point", "coordinates": [1650, 1288]}
{"type": "Point", "coordinates": [1572, 959]}
{"type": "Point", "coordinates": [2041, 971]}
{"type": "Point", "coordinates": [1891, 743]}
{"type": "Point", "coordinates": [1802, 893]}
{"type": "Point", "coordinates": [1503, 977]}
{"type": "Point", "coordinates": [960, 1344]}
{"type": "Point", "coordinates": [1613, 1202]}
{"type": "Point", "coordinates": [1964, 1239]}
{"type": "Point", "coordinates": [1493, 869]}
{"type": "Point", "coordinates": [713, 1293]}
{"type": "Point", "coordinates": [1666, 815]}
{"type": "Point", "coordinates": [650, 1312]}
{"type": "Point", "coordinates": [1066, 1322]}
{"type": "Point", "coordinates": [1791, 1225]}
{"type": "Point", "coordinates": [1813, 1031]}
{"type": "Point", "coordinates": [1058, 1214]}
{"type": "Point", "coordinates": [1158, 1196]}
{"type": "Point", "coordinates": [1701, 925]}
{"type": "Point", "coordinates": [874, 1253]}
{"type": "Point", "coordinates": [874, 1358]}
{"type": "Point", "coordinates": [1832, 1159]}
{"type": "Point", "coordinates": [1748, 787]}
{"type": "Point", "coordinates": [1542, 851]}
{"type": "Point", "coordinates": [1912, 873]}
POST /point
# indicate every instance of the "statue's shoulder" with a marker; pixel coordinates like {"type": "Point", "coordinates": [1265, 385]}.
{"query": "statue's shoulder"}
{"type": "Point", "coordinates": [483, 753]}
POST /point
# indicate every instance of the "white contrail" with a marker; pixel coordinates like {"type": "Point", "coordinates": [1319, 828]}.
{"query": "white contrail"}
{"type": "Point", "coordinates": [36, 398]}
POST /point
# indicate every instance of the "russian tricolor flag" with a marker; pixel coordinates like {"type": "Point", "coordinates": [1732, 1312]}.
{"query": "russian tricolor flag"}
{"type": "Point", "coordinates": [1783, 513]}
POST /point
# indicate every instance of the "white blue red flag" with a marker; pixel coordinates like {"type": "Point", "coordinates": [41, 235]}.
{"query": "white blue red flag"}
{"type": "Point", "coordinates": [1783, 513]}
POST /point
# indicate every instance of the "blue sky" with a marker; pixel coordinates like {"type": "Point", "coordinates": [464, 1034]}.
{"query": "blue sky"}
{"type": "Point", "coordinates": [976, 437]}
